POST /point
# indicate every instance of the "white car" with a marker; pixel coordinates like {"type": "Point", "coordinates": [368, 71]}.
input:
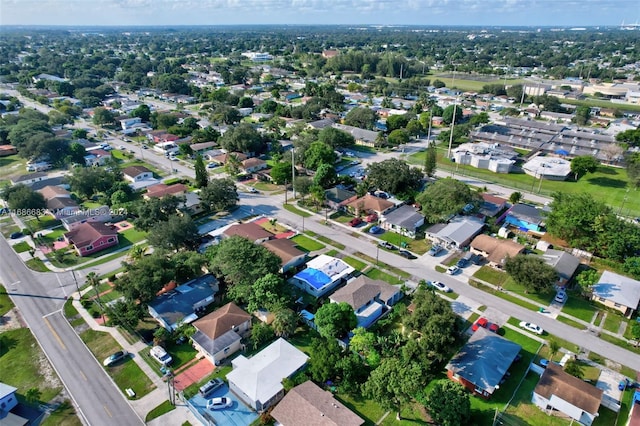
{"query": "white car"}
{"type": "Point", "coordinates": [560, 296]}
{"type": "Point", "coordinates": [161, 355]}
{"type": "Point", "coordinates": [452, 270]}
{"type": "Point", "coordinates": [440, 286]}
{"type": "Point", "coordinates": [219, 403]}
{"type": "Point", "coordinates": [531, 327]}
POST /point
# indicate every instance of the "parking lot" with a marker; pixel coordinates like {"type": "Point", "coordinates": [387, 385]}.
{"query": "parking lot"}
{"type": "Point", "coordinates": [238, 414]}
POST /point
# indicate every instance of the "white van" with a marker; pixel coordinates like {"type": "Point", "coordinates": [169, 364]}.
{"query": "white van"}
{"type": "Point", "coordinates": [161, 355]}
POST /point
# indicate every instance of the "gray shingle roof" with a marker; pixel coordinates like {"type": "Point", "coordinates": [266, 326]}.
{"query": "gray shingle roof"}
{"type": "Point", "coordinates": [404, 216]}
{"type": "Point", "coordinates": [618, 289]}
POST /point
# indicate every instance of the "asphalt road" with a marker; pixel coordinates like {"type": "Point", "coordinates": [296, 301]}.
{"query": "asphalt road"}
{"type": "Point", "coordinates": [40, 297]}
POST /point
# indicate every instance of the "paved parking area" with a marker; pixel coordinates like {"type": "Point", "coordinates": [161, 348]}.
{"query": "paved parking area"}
{"type": "Point", "coordinates": [496, 316]}
{"type": "Point", "coordinates": [237, 415]}
{"type": "Point", "coordinates": [608, 382]}
{"type": "Point", "coordinates": [464, 307]}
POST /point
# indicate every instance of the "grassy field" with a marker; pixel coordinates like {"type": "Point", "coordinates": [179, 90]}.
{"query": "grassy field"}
{"type": "Point", "coordinates": [579, 307]}
{"type": "Point", "coordinates": [419, 246]}
{"type": "Point", "coordinates": [612, 322]}
{"type": "Point", "coordinates": [126, 374]}
{"type": "Point", "coordinates": [181, 354]}
{"type": "Point", "coordinates": [295, 210]}
{"type": "Point", "coordinates": [161, 409]}
{"type": "Point", "coordinates": [5, 301]}
{"type": "Point", "coordinates": [23, 365]}
{"type": "Point", "coordinates": [306, 243]}
{"type": "Point", "coordinates": [377, 274]}
{"type": "Point", "coordinates": [37, 265]}
{"type": "Point", "coordinates": [462, 83]}
{"type": "Point", "coordinates": [358, 264]}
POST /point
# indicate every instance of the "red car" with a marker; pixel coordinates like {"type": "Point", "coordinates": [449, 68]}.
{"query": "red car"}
{"type": "Point", "coordinates": [494, 327]}
{"type": "Point", "coordinates": [482, 322]}
{"type": "Point", "coordinates": [355, 221]}
{"type": "Point", "coordinates": [371, 218]}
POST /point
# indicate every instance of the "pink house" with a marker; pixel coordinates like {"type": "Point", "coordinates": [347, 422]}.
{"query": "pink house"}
{"type": "Point", "coordinates": [91, 237]}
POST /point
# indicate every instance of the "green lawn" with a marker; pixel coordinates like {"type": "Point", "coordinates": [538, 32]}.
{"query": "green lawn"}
{"type": "Point", "coordinates": [161, 409]}
{"type": "Point", "coordinates": [5, 301]}
{"type": "Point", "coordinates": [504, 296]}
{"type": "Point", "coordinates": [332, 252]}
{"type": "Point", "coordinates": [570, 322]}
{"type": "Point", "coordinates": [295, 210]}
{"type": "Point", "coordinates": [370, 411]}
{"type": "Point", "coordinates": [37, 265]}
{"type": "Point", "coordinates": [420, 246]}
{"type": "Point", "coordinates": [21, 247]}
{"type": "Point", "coordinates": [472, 85]}
{"type": "Point", "coordinates": [22, 362]}
{"type": "Point", "coordinates": [377, 274]}
{"type": "Point", "coordinates": [543, 299]}
{"type": "Point", "coordinates": [330, 242]}
{"type": "Point", "coordinates": [579, 307]}
{"type": "Point", "coordinates": [612, 322]}
{"type": "Point", "coordinates": [45, 222]}
{"type": "Point", "coordinates": [358, 264]}
{"type": "Point", "coordinates": [126, 374]}
{"type": "Point", "coordinates": [307, 243]}
{"type": "Point", "coordinates": [181, 354]}
{"type": "Point", "coordinates": [12, 165]}
{"type": "Point", "coordinates": [491, 275]}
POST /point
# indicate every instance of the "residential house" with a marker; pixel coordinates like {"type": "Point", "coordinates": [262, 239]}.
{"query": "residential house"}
{"type": "Point", "coordinates": [60, 207]}
{"type": "Point", "coordinates": [137, 173]}
{"type": "Point", "coordinates": [330, 53]}
{"type": "Point", "coordinates": [492, 205]}
{"type": "Point", "coordinates": [404, 220]}
{"type": "Point", "coordinates": [457, 233]}
{"type": "Point", "coordinates": [258, 380]}
{"type": "Point", "coordinates": [369, 204]}
{"type": "Point", "coordinates": [320, 124]}
{"type": "Point", "coordinates": [192, 204]}
{"type": "Point", "coordinates": [495, 250]}
{"type": "Point", "coordinates": [252, 165]}
{"type": "Point", "coordinates": [210, 155]}
{"type": "Point", "coordinates": [161, 190]}
{"type": "Point", "coordinates": [368, 298]}
{"type": "Point", "coordinates": [564, 263]}
{"type": "Point", "coordinates": [335, 197]}
{"type": "Point", "coordinates": [322, 275]}
{"type": "Point", "coordinates": [101, 214]}
{"type": "Point", "coordinates": [223, 158]}
{"type": "Point", "coordinates": [9, 401]}
{"type": "Point", "coordinates": [29, 179]}
{"type": "Point", "coordinates": [91, 237]}
{"type": "Point", "coordinates": [175, 305]}
{"type": "Point", "coordinates": [525, 217]}
{"type": "Point", "coordinates": [218, 335]}
{"type": "Point", "coordinates": [201, 148]}
{"type": "Point", "coordinates": [618, 292]}
{"type": "Point", "coordinates": [130, 122]}
{"type": "Point", "coordinates": [53, 191]}
{"type": "Point", "coordinates": [6, 150]}
{"type": "Point", "coordinates": [290, 255]}
{"type": "Point", "coordinates": [310, 405]}
{"type": "Point", "coordinates": [362, 137]}
{"type": "Point", "coordinates": [249, 230]}
{"type": "Point", "coordinates": [561, 392]}
{"type": "Point", "coordinates": [482, 362]}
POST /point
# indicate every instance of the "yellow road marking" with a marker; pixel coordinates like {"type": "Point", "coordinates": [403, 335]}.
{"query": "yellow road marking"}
{"type": "Point", "coordinates": [83, 376]}
{"type": "Point", "coordinates": [55, 334]}
{"type": "Point", "coordinates": [107, 410]}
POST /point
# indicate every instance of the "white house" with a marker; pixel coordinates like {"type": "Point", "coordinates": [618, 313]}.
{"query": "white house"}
{"type": "Point", "coordinates": [322, 275]}
{"type": "Point", "coordinates": [258, 380]}
{"type": "Point", "coordinates": [404, 220]}
{"type": "Point", "coordinates": [137, 173]}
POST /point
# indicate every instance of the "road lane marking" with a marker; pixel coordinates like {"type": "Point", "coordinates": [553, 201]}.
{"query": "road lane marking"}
{"type": "Point", "coordinates": [83, 376]}
{"type": "Point", "coordinates": [55, 334]}
{"type": "Point", "coordinates": [107, 410]}
{"type": "Point", "coordinates": [61, 286]}
{"type": "Point", "coordinates": [52, 313]}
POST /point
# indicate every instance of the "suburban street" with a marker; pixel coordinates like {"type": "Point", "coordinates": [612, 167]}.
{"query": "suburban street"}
{"type": "Point", "coordinates": [40, 297]}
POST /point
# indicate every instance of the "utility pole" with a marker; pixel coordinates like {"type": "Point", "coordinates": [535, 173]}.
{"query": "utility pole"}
{"type": "Point", "coordinates": [293, 172]}
{"type": "Point", "coordinates": [453, 120]}
{"type": "Point", "coordinates": [73, 273]}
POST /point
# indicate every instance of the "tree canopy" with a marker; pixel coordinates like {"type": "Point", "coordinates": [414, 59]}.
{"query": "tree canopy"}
{"type": "Point", "coordinates": [318, 153]}
{"type": "Point", "coordinates": [364, 118]}
{"type": "Point", "coordinates": [335, 319]}
{"type": "Point", "coordinates": [446, 197]}
{"type": "Point", "coordinates": [394, 383]}
{"type": "Point", "coordinates": [582, 165]}
{"type": "Point", "coordinates": [448, 403]}
{"type": "Point", "coordinates": [243, 138]}
{"type": "Point", "coordinates": [335, 138]}
{"type": "Point", "coordinates": [531, 272]}
{"type": "Point", "coordinates": [177, 232]}
{"type": "Point", "coordinates": [395, 176]}
{"type": "Point", "coordinates": [219, 195]}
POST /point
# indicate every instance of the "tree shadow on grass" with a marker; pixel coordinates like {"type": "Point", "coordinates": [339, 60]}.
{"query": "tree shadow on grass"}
{"type": "Point", "coordinates": [607, 182]}
{"type": "Point", "coordinates": [607, 171]}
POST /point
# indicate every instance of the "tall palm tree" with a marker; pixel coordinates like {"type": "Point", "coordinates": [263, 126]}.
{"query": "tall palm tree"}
{"type": "Point", "coordinates": [285, 322]}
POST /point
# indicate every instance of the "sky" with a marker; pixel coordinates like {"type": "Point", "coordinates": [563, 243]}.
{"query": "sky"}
{"type": "Point", "coordinates": [349, 12]}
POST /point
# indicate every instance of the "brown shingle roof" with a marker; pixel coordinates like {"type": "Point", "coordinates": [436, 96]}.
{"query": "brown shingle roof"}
{"type": "Point", "coordinates": [223, 158]}
{"type": "Point", "coordinates": [497, 249]}
{"type": "Point", "coordinates": [253, 162]}
{"type": "Point", "coordinates": [161, 190]}
{"type": "Point", "coordinates": [357, 292]}
{"type": "Point", "coordinates": [249, 230]}
{"type": "Point", "coordinates": [134, 171]}
{"type": "Point", "coordinates": [370, 202]}
{"type": "Point", "coordinates": [221, 320]}
{"type": "Point", "coordinates": [284, 249]}
{"type": "Point", "coordinates": [309, 405]}
{"type": "Point", "coordinates": [89, 232]}
{"type": "Point", "coordinates": [52, 191]}
{"type": "Point", "coordinates": [555, 381]}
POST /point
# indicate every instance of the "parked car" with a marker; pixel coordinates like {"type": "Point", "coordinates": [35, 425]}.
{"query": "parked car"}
{"type": "Point", "coordinates": [115, 358]}
{"type": "Point", "coordinates": [440, 286]}
{"type": "Point", "coordinates": [355, 221]}
{"type": "Point", "coordinates": [531, 327]}
{"type": "Point", "coordinates": [161, 355]}
{"type": "Point", "coordinates": [407, 254]}
{"type": "Point", "coordinates": [16, 235]}
{"type": "Point", "coordinates": [219, 403]}
{"type": "Point", "coordinates": [212, 165]}
{"type": "Point", "coordinates": [211, 386]}
{"type": "Point", "coordinates": [434, 250]}
{"type": "Point", "coordinates": [121, 147]}
{"type": "Point", "coordinates": [493, 327]}
{"type": "Point", "coordinates": [481, 322]}
{"type": "Point", "coordinates": [452, 270]}
{"type": "Point", "coordinates": [560, 296]}
{"type": "Point", "coordinates": [464, 260]}
{"type": "Point", "coordinates": [145, 146]}
{"type": "Point", "coordinates": [371, 218]}
{"type": "Point", "coordinates": [376, 230]}
{"type": "Point", "coordinates": [387, 245]}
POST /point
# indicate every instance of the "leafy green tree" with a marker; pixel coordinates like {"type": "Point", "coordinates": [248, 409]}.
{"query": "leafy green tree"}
{"type": "Point", "coordinates": [430, 160]}
{"type": "Point", "coordinates": [243, 138]}
{"type": "Point", "coordinates": [177, 232]}
{"type": "Point", "coordinates": [582, 165]}
{"type": "Point", "coordinates": [532, 273]}
{"type": "Point", "coordinates": [335, 138]}
{"type": "Point", "coordinates": [630, 137]}
{"type": "Point", "coordinates": [88, 181]}
{"type": "Point", "coordinates": [635, 330]}
{"type": "Point", "coordinates": [398, 137]}
{"type": "Point", "coordinates": [285, 322]}
{"type": "Point", "coordinates": [22, 197]}
{"type": "Point", "coordinates": [364, 118]}
{"type": "Point", "coordinates": [266, 293]}
{"type": "Point", "coordinates": [102, 116]}
{"type": "Point", "coordinates": [554, 347]}
{"type": "Point", "coordinates": [394, 176]}
{"type": "Point", "coordinates": [394, 383]}
{"type": "Point", "coordinates": [631, 266]}
{"type": "Point", "coordinates": [396, 122]}
{"type": "Point", "coordinates": [586, 279]}
{"type": "Point", "coordinates": [219, 195]}
{"type": "Point", "coordinates": [303, 185]}
{"type": "Point", "coordinates": [515, 197]}
{"type": "Point", "coordinates": [582, 115]}
{"type": "Point", "coordinates": [449, 404]}
{"type": "Point", "coordinates": [632, 162]}
{"type": "Point", "coordinates": [281, 172]}
{"type": "Point", "coordinates": [325, 175]}
{"type": "Point", "coordinates": [318, 153]}
{"type": "Point", "coordinates": [32, 396]}
{"type": "Point", "coordinates": [447, 114]}
{"type": "Point", "coordinates": [79, 134]}
{"type": "Point", "coordinates": [188, 265]}
{"type": "Point", "coordinates": [574, 368]}
{"type": "Point", "coordinates": [77, 152]}
{"type": "Point", "coordinates": [202, 177]}
{"type": "Point", "coordinates": [324, 353]}
{"type": "Point", "coordinates": [414, 127]}
{"type": "Point", "coordinates": [126, 313]}
{"type": "Point", "coordinates": [446, 197]}
{"type": "Point", "coordinates": [230, 258]}
{"type": "Point", "coordinates": [260, 333]}
{"type": "Point", "coordinates": [143, 111]}
{"type": "Point", "coordinates": [144, 278]}
{"type": "Point", "coordinates": [154, 211]}
{"type": "Point", "coordinates": [478, 119]}
{"type": "Point", "coordinates": [335, 319]}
